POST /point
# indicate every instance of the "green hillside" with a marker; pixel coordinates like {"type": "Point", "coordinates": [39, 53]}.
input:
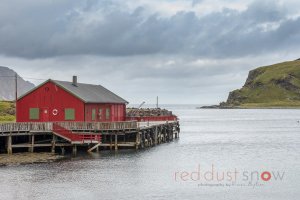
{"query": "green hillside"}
{"type": "Point", "coordinates": [7, 111]}
{"type": "Point", "coordinates": [270, 86]}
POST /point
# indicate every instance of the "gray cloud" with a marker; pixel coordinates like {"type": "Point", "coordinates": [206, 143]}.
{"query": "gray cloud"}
{"type": "Point", "coordinates": [89, 28]}
{"type": "Point", "coordinates": [140, 78]}
{"type": "Point", "coordinates": [139, 53]}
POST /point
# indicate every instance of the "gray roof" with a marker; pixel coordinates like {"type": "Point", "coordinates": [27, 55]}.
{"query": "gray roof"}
{"type": "Point", "coordinates": [91, 93]}
{"type": "Point", "coordinates": [86, 92]}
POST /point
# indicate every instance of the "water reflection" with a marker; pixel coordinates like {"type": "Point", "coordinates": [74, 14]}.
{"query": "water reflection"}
{"type": "Point", "coordinates": [243, 139]}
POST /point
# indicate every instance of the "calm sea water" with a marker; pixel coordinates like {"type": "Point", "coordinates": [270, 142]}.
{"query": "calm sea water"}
{"type": "Point", "coordinates": [244, 143]}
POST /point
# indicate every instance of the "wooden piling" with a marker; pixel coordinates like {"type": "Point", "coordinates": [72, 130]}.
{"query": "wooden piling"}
{"type": "Point", "coordinates": [53, 143]}
{"type": "Point", "coordinates": [142, 139]}
{"type": "Point", "coordinates": [29, 142]}
{"type": "Point", "coordinates": [155, 135]}
{"type": "Point", "coordinates": [159, 134]}
{"type": "Point", "coordinates": [110, 146]}
{"type": "Point", "coordinates": [104, 140]}
{"type": "Point", "coordinates": [116, 142]}
{"type": "Point", "coordinates": [9, 145]}
{"type": "Point", "coordinates": [74, 149]}
{"type": "Point", "coordinates": [137, 140]}
{"type": "Point", "coordinates": [31, 148]}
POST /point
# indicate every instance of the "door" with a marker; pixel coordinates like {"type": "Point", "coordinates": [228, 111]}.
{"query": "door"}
{"type": "Point", "coordinates": [45, 114]}
{"type": "Point", "coordinates": [100, 114]}
{"type": "Point", "coordinates": [104, 113]}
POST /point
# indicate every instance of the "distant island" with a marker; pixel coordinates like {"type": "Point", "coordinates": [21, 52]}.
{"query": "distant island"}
{"type": "Point", "coordinates": [274, 86]}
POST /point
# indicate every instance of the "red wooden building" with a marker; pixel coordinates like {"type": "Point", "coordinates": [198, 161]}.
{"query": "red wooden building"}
{"type": "Point", "coordinates": [70, 101]}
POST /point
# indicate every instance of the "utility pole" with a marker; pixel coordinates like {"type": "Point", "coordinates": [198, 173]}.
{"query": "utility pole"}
{"type": "Point", "coordinates": [16, 93]}
{"type": "Point", "coordinates": [157, 102]}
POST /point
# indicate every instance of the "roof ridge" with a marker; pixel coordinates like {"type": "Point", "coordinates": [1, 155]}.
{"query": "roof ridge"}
{"type": "Point", "coordinates": [91, 95]}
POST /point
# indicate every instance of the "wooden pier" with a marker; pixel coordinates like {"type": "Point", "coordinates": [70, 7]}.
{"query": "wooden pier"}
{"type": "Point", "coordinates": [92, 136]}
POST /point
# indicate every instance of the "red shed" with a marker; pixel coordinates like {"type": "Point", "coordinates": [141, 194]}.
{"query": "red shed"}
{"type": "Point", "coordinates": [70, 101]}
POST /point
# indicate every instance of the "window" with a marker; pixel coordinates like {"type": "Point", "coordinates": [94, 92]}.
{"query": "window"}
{"type": "Point", "coordinates": [100, 113]}
{"type": "Point", "coordinates": [107, 116]}
{"type": "Point", "coordinates": [34, 113]}
{"type": "Point", "coordinates": [93, 114]}
{"type": "Point", "coordinates": [69, 114]}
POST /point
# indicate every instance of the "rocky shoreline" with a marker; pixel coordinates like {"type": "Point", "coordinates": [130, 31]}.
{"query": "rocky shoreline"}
{"type": "Point", "coordinates": [28, 158]}
{"type": "Point", "coordinates": [238, 107]}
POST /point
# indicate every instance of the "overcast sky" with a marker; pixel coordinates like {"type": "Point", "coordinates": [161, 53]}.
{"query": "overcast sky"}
{"type": "Point", "coordinates": [184, 51]}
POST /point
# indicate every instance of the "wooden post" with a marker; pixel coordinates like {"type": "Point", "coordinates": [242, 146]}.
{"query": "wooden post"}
{"type": "Point", "coordinates": [159, 135]}
{"type": "Point", "coordinates": [9, 147]}
{"type": "Point", "coordinates": [142, 140]}
{"type": "Point", "coordinates": [110, 146]}
{"type": "Point", "coordinates": [168, 134]}
{"type": "Point", "coordinates": [145, 139]}
{"type": "Point", "coordinates": [173, 134]}
{"type": "Point", "coordinates": [137, 140]}
{"type": "Point", "coordinates": [104, 140]}
{"type": "Point", "coordinates": [164, 134]}
{"type": "Point", "coordinates": [155, 136]}
{"type": "Point", "coordinates": [116, 142]}
{"type": "Point", "coordinates": [150, 138]}
{"type": "Point", "coordinates": [74, 149]}
{"type": "Point", "coordinates": [29, 142]}
{"type": "Point", "coordinates": [31, 149]}
{"type": "Point", "coordinates": [53, 143]}
{"type": "Point", "coordinates": [177, 129]}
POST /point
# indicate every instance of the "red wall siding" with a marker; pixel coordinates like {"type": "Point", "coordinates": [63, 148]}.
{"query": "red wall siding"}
{"type": "Point", "coordinates": [117, 112]}
{"type": "Point", "coordinates": [49, 97]}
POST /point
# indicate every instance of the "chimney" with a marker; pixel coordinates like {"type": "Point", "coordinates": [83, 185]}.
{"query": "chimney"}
{"type": "Point", "coordinates": [75, 81]}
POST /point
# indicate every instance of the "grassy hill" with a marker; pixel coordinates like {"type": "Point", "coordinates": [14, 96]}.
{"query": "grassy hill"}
{"type": "Point", "coordinates": [270, 86]}
{"type": "Point", "coordinates": [7, 111]}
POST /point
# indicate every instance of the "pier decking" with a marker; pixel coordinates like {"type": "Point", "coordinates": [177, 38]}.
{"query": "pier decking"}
{"type": "Point", "coordinates": [90, 135]}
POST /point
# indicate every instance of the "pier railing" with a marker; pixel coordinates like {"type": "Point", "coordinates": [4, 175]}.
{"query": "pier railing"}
{"type": "Point", "coordinates": [48, 126]}
{"type": "Point", "coordinates": [153, 118]}
{"type": "Point", "coordinates": [26, 126]}
{"type": "Point", "coordinates": [99, 125]}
